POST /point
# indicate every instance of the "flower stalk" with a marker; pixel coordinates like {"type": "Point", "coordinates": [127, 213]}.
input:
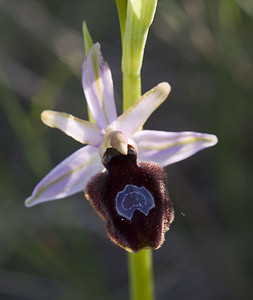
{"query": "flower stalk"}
{"type": "Point", "coordinates": [131, 89]}
{"type": "Point", "coordinates": [140, 267]}
{"type": "Point", "coordinates": [135, 18]}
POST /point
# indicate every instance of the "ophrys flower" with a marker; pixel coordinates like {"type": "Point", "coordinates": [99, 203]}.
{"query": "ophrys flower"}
{"type": "Point", "coordinates": [121, 134]}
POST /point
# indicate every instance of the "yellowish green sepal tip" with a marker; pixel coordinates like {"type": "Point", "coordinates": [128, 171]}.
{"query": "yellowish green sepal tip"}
{"type": "Point", "coordinates": [87, 38]}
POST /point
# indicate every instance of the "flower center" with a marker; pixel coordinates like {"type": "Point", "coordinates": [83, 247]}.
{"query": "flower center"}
{"type": "Point", "coordinates": [115, 139]}
{"type": "Point", "coordinates": [134, 198]}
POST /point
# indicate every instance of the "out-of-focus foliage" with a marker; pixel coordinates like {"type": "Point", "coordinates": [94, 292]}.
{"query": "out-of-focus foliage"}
{"type": "Point", "coordinates": [59, 250]}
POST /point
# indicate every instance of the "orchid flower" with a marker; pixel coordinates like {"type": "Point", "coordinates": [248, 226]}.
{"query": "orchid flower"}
{"type": "Point", "coordinates": [123, 134]}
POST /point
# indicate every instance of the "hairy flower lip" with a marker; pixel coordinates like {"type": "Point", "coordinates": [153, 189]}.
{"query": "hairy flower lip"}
{"type": "Point", "coordinates": [164, 148]}
{"type": "Point", "coordinates": [133, 200]}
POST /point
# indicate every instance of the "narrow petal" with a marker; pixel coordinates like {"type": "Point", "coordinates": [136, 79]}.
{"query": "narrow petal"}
{"type": "Point", "coordinates": [83, 131]}
{"type": "Point", "coordinates": [98, 87]}
{"type": "Point", "coordinates": [69, 177]}
{"type": "Point", "coordinates": [133, 119]}
{"type": "Point", "coordinates": [166, 148]}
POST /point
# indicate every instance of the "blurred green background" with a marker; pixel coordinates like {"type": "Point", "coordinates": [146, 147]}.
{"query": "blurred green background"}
{"type": "Point", "coordinates": [59, 250]}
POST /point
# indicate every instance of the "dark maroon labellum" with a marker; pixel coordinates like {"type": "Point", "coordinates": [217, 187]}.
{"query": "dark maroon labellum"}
{"type": "Point", "coordinates": [132, 199]}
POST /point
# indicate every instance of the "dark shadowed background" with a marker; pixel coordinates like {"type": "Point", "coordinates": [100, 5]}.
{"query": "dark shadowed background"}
{"type": "Point", "coordinates": [59, 250]}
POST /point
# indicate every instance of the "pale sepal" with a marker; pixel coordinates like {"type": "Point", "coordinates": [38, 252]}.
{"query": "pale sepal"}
{"type": "Point", "coordinates": [83, 131]}
{"type": "Point", "coordinates": [68, 178]}
{"type": "Point", "coordinates": [166, 148]}
{"type": "Point", "coordinates": [98, 87]}
{"type": "Point", "coordinates": [133, 119]}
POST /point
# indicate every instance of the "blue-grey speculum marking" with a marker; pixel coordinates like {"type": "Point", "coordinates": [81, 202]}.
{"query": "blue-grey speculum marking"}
{"type": "Point", "coordinates": [134, 198]}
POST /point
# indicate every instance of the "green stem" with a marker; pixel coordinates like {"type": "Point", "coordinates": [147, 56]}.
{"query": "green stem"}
{"type": "Point", "coordinates": [135, 18]}
{"type": "Point", "coordinates": [141, 275]}
{"type": "Point", "coordinates": [122, 9]}
{"type": "Point", "coordinates": [140, 268]}
{"type": "Point", "coordinates": [131, 89]}
{"type": "Point", "coordinates": [139, 264]}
